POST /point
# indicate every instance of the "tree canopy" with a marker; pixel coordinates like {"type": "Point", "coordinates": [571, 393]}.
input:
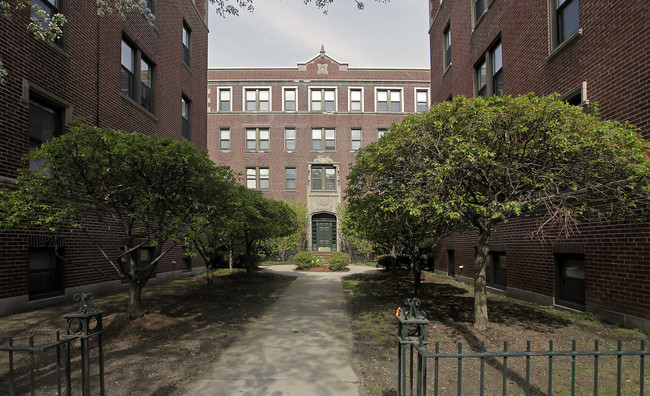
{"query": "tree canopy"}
{"type": "Point", "coordinates": [482, 161]}
{"type": "Point", "coordinates": [145, 187]}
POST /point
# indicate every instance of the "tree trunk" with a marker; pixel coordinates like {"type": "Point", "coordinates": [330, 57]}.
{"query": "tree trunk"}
{"type": "Point", "coordinates": [134, 309]}
{"type": "Point", "coordinates": [393, 259]}
{"type": "Point", "coordinates": [480, 293]}
{"type": "Point", "coordinates": [230, 260]}
{"type": "Point", "coordinates": [210, 273]}
{"type": "Point", "coordinates": [417, 270]}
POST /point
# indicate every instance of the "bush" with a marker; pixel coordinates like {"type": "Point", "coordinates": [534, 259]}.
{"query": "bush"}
{"type": "Point", "coordinates": [303, 260]}
{"type": "Point", "coordinates": [247, 261]}
{"type": "Point", "coordinates": [384, 262]}
{"type": "Point", "coordinates": [339, 261]}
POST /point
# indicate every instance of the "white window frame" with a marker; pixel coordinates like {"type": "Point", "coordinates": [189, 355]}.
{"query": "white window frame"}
{"type": "Point", "coordinates": [352, 149]}
{"type": "Point", "coordinates": [390, 89]}
{"type": "Point", "coordinates": [258, 177]}
{"type": "Point", "coordinates": [221, 139]}
{"type": "Point", "coordinates": [258, 133]}
{"type": "Point", "coordinates": [284, 90]}
{"type": "Point", "coordinates": [415, 97]}
{"type": "Point", "coordinates": [219, 89]}
{"type": "Point", "coordinates": [322, 89]}
{"type": "Point", "coordinates": [295, 138]}
{"type": "Point", "coordinates": [258, 88]}
{"type": "Point", "coordinates": [350, 89]}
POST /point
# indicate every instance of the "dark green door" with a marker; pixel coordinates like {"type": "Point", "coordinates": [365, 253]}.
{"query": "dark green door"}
{"type": "Point", "coordinates": [323, 235]}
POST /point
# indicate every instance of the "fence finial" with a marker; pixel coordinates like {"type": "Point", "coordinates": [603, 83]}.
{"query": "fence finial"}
{"type": "Point", "coordinates": [84, 297]}
{"type": "Point", "coordinates": [413, 311]}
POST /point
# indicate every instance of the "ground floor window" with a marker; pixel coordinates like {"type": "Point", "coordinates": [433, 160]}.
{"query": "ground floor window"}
{"type": "Point", "coordinates": [496, 269]}
{"type": "Point", "coordinates": [570, 280]}
{"type": "Point", "coordinates": [323, 236]}
{"type": "Point", "coordinates": [46, 271]}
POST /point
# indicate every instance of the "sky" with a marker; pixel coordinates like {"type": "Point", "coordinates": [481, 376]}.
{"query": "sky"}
{"type": "Point", "coordinates": [282, 33]}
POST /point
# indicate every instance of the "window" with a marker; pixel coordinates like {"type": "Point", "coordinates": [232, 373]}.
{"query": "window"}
{"type": "Point", "coordinates": [185, 117]}
{"type": "Point", "coordinates": [570, 280]}
{"type": "Point", "coordinates": [323, 178]}
{"type": "Point", "coordinates": [447, 44]}
{"type": "Point", "coordinates": [258, 99]}
{"type": "Point", "coordinates": [45, 123]}
{"type": "Point", "coordinates": [479, 9]}
{"type": "Point", "coordinates": [496, 269]}
{"type": "Point", "coordinates": [578, 96]}
{"type": "Point", "coordinates": [187, 35]}
{"type": "Point", "coordinates": [46, 271]}
{"type": "Point", "coordinates": [356, 99]}
{"type": "Point", "coordinates": [49, 8]}
{"type": "Point", "coordinates": [355, 139]}
{"type": "Point", "coordinates": [257, 178]}
{"type": "Point", "coordinates": [567, 19]}
{"type": "Point", "coordinates": [421, 100]}
{"type": "Point", "coordinates": [381, 132]}
{"type": "Point", "coordinates": [137, 76]}
{"type": "Point", "coordinates": [224, 139]}
{"type": "Point", "coordinates": [289, 99]}
{"type": "Point", "coordinates": [389, 100]}
{"type": "Point", "coordinates": [488, 72]}
{"type": "Point", "coordinates": [257, 139]}
{"type": "Point", "coordinates": [290, 139]}
{"type": "Point", "coordinates": [290, 178]}
{"type": "Point", "coordinates": [323, 99]}
{"type": "Point", "coordinates": [323, 138]}
{"type": "Point", "coordinates": [224, 99]}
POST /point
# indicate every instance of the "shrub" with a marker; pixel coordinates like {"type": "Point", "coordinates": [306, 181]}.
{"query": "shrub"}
{"type": "Point", "coordinates": [303, 260]}
{"type": "Point", "coordinates": [385, 262]}
{"type": "Point", "coordinates": [339, 261]}
{"type": "Point", "coordinates": [247, 261]}
{"type": "Point", "coordinates": [317, 262]}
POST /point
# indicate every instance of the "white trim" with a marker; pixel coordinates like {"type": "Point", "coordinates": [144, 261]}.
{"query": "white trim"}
{"type": "Point", "coordinates": [295, 89]}
{"type": "Point", "coordinates": [390, 88]}
{"type": "Point", "coordinates": [219, 89]}
{"type": "Point", "coordinates": [257, 87]}
{"type": "Point", "coordinates": [336, 96]}
{"type": "Point", "coordinates": [363, 95]}
{"type": "Point", "coordinates": [415, 97]}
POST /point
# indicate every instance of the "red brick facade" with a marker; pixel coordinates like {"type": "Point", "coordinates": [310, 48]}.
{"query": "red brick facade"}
{"type": "Point", "coordinates": [81, 78]}
{"type": "Point", "coordinates": [605, 60]}
{"type": "Point", "coordinates": [320, 73]}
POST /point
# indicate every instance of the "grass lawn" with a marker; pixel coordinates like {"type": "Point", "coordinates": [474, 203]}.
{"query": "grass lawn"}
{"type": "Point", "coordinates": [374, 299]}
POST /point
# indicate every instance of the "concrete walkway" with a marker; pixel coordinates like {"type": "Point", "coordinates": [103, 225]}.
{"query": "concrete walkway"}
{"type": "Point", "coordinates": [301, 345]}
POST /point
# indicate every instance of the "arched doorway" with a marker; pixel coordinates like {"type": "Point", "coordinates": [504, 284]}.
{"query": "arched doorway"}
{"type": "Point", "coordinates": [323, 232]}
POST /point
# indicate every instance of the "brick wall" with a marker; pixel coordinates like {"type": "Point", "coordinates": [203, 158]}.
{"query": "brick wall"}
{"type": "Point", "coordinates": [84, 75]}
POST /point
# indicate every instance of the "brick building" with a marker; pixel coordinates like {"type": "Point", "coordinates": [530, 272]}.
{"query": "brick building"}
{"type": "Point", "coordinates": [588, 51]}
{"type": "Point", "coordinates": [130, 74]}
{"type": "Point", "coordinates": [292, 133]}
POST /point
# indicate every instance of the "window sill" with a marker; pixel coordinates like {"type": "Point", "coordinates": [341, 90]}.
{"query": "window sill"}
{"type": "Point", "coordinates": [137, 106]}
{"type": "Point", "coordinates": [564, 45]}
{"type": "Point", "coordinates": [189, 69]}
{"type": "Point", "coordinates": [479, 20]}
{"type": "Point", "coordinates": [258, 151]}
{"type": "Point", "coordinates": [444, 73]}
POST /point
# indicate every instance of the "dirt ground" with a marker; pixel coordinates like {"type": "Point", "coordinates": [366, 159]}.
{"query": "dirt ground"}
{"type": "Point", "coordinates": [449, 307]}
{"type": "Point", "coordinates": [162, 353]}
{"type": "Point", "coordinates": [188, 327]}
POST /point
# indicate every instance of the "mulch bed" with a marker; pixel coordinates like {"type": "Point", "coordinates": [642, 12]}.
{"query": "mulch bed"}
{"type": "Point", "coordinates": [320, 269]}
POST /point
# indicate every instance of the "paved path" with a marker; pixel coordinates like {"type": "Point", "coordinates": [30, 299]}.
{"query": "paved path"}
{"type": "Point", "coordinates": [301, 345]}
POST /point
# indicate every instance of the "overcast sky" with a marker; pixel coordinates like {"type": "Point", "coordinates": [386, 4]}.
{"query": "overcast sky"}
{"type": "Point", "coordinates": [281, 33]}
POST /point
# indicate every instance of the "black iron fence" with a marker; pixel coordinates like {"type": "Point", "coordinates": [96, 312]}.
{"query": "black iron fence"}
{"type": "Point", "coordinates": [30, 364]}
{"type": "Point", "coordinates": [512, 372]}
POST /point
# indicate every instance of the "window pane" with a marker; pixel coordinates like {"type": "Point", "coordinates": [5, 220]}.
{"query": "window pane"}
{"type": "Point", "coordinates": [355, 95]}
{"type": "Point", "coordinates": [251, 137]}
{"type": "Point", "coordinates": [330, 179]}
{"type": "Point", "coordinates": [329, 95]}
{"type": "Point", "coordinates": [290, 177]}
{"type": "Point", "coordinates": [316, 139]}
{"type": "Point", "coordinates": [264, 95]}
{"type": "Point", "coordinates": [496, 59]}
{"type": "Point", "coordinates": [382, 96]}
{"type": "Point", "coordinates": [395, 101]}
{"type": "Point", "coordinates": [225, 139]}
{"type": "Point", "coordinates": [264, 139]}
{"type": "Point", "coordinates": [568, 19]}
{"type": "Point", "coordinates": [317, 178]}
{"type": "Point", "coordinates": [127, 57]}
{"type": "Point", "coordinates": [251, 178]}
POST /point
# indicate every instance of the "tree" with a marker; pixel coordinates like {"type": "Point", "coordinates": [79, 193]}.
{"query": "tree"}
{"type": "Point", "coordinates": [380, 207]}
{"type": "Point", "coordinates": [294, 241]}
{"type": "Point", "coordinates": [254, 219]}
{"type": "Point", "coordinates": [144, 187]}
{"type": "Point", "coordinates": [484, 161]}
